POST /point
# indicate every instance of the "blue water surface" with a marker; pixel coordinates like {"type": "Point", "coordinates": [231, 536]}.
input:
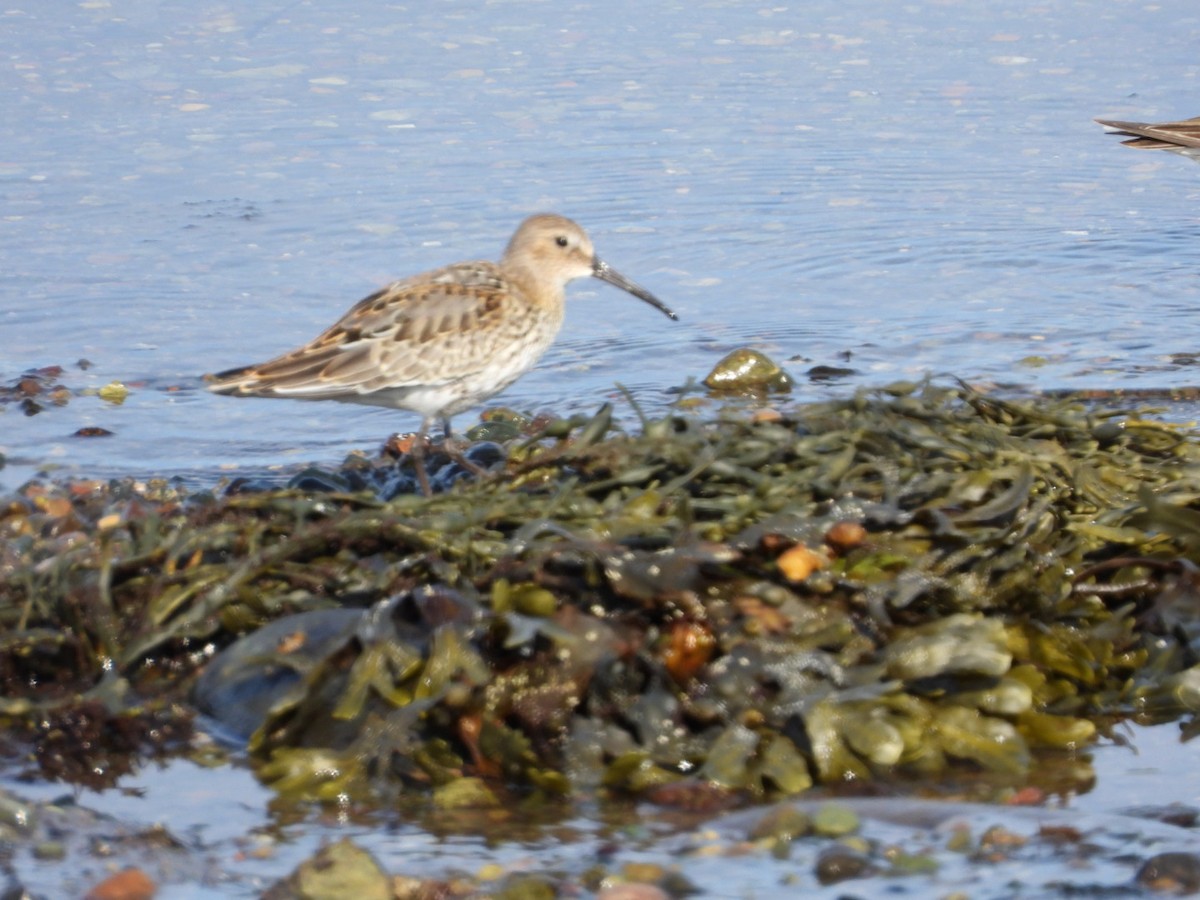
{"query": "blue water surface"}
{"type": "Point", "coordinates": [189, 187]}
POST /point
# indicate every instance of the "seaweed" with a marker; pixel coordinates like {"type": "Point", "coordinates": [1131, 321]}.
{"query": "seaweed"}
{"type": "Point", "coordinates": [903, 583]}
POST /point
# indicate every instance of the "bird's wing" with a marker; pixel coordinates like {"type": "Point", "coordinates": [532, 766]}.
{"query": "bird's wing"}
{"type": "Point", "coordinates": [1163, 136]}
{"type": "Point", "coordinates": [418, 331]}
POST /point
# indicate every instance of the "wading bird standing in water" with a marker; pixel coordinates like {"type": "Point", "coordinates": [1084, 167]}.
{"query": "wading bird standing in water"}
{"type": "Point", "coordinates": [441, 342]}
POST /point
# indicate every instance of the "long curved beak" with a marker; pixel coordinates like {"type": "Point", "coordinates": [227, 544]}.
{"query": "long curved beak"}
{"type": "Point", "coordinates": [605, 272]}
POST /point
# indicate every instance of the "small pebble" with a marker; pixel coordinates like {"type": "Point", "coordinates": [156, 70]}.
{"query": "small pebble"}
{"type": "Point", "coordinates": [840, 864]}
{"type": "Point", "coordinates": [799, 562]}
{"type": "Point", "coordinates": [833, 820]}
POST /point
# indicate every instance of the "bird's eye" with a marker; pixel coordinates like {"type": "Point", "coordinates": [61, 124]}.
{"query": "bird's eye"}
{"type": "Point", "coordinates": [561, 241]}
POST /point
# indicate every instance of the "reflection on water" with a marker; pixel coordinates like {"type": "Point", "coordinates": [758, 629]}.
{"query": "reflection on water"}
{"type": "Point", "coordinates": [245, 847]}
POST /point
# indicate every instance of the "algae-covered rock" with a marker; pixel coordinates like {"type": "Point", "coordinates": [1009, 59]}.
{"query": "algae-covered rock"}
{"type": "Point", "coordinates": [637, 773]}
{"type": "Point", "coordinates": [837, 864]}
{"type": "Point", "coordinates": [464, 793]}
{"type": "Point", "coordinates": [784, 822]}
{"type": "Point", "coordinates": [1008, 696]}
{"type": "Point", "coordinates": [748, 371]}
{"type": "Point", "coordinates": [340, 870]}
{"type": "Point", "coordinates": [526, 886]}
{"type": "Point", "coordinates": [113, 392]}
{"type": "Point", "coordinates": [835, 820]}
{"type": "Point", "coordinates": [870, 732]}
{"type": "Point", "coordinates": [961, 644]}
{"type": "Point", "coordinates": [992, 743]}
{"type": "Point", "coordinates": [1061, 732]}
{"type": "Point", "coordinates": [730, 757]}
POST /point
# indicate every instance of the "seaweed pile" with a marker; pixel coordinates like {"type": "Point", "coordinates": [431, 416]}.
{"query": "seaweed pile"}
{"type": "Point", "coordinates": [917, 580]}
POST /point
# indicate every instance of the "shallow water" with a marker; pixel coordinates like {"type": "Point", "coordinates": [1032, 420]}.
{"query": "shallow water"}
{"type": "Point", "coordinates": [230, 845]}
{"type": "Point", "coordinates": [189, 187]}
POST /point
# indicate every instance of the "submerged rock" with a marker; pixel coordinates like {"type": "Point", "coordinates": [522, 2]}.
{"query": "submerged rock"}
{"type": "Point", "coordinates": [338, 871]}
{"type": "Point", "coordinates": [1171, 873]}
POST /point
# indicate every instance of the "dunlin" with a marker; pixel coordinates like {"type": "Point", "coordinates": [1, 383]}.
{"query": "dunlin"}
{"type": "Point", "coordinates": [441, 342]}
{"type": "Point", "coordinates": [1178, 137]}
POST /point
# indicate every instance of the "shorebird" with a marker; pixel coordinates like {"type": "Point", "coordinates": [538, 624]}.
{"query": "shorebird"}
{"type": "Point", "coordinates": [443, 341]}
{"type": "Point", "coordinates": [1178, 137]}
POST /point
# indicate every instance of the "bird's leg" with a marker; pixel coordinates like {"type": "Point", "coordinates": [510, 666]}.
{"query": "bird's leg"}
{"type": "Point", "coordinates": [418, 458]}
{"type": "Point", "coordinates": [450, 448]}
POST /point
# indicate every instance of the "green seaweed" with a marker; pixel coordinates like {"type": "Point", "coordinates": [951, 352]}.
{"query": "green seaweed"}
{"type": "Point", "coordinates": [612, 611]}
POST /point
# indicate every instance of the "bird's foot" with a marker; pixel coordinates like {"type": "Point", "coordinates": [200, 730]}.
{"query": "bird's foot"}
{"type": "Point", "coordinates": [456, 453]}
{"type": "Point", "coordinates": [450, 460]}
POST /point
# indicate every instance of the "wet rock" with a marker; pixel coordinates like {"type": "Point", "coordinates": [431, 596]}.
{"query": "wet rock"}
{"type": "Point", "coordinates": [835, 820]}
{"type": "Point", "coordinates": [692, 795]}
{"type": "Point", "coordinates": [497, 430]}
{"type": "Point", "coordinates": [128, 884]}
{"type": "Point", "coordinates": [830, 373]}
{"type": "Point", "coordinates": [335, 872]}
{"type": "Point", "coordinates": [837, 864]}
{"type": "Point", "coordinates": [747, 371]}
{"type": "Point", "coordinates": [527, 886]}
{"type": "Point", "coordinates": [114, 392]}
{"type": "Point", "coordinates": [845, 536]}
{"type": "Point", "coordinates": [32, 390]}
{"type": "Point", "coordinates": [1171, 873]}
{"type": "Point", "coordinates": [241, 486]}
{"type": "Point", "coordinates": [993, 743]}
{"type": "Point", "coordinates": [16, 814]}
{"type": "Point", "coordinates": [690, 647]}
{"type": "Point", "coordinates": [998, 842]}
{"type": "Point", "coordinates": [49, 850]}
{"type": "Point", "coordinates": [464, 793]}
{"type": "Point", "coordinates": [526, 598]}
{"type": "Point", "coordinates": [798, 562]}
{"type": "Point", "coordinates": [318, 480]}
{"type": "Point", "coordinates": [250, 676]}
{"type": "Point", "coordinates": [1060, 732]}
{"type": "Point", "coordinates": [784, 823]}
{"type": "Point", "coordinates": [485, 453]}
{"type": "Point", "coordinates": [643, 872]}
{"type": "Point", "coordinates": [731, 758]}
{"type": "Point", "coordinates": [912, 864]}
{"type": "Point", "coordinates": [1180, 814]}
{"type": "Point", "coordinates": [961, 644]}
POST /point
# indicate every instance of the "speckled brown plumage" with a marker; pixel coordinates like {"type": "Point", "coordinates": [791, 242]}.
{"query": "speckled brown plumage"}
{"type": "Point", "coordinates": [441, 342]}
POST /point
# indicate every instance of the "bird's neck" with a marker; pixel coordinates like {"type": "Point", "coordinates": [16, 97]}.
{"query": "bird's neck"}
{"type": "Point", "coordinates": [548, 295]}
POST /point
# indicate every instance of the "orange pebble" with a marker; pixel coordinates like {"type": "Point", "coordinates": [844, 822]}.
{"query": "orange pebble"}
{"type": "Point", "coordinates": [843, 536]}
{"type": "Point", "coordinates": [799, 562]}
{"type": "Point", "coordinates": [692, 646]}
{"type": "Point", "coordinates": [128, 884]}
